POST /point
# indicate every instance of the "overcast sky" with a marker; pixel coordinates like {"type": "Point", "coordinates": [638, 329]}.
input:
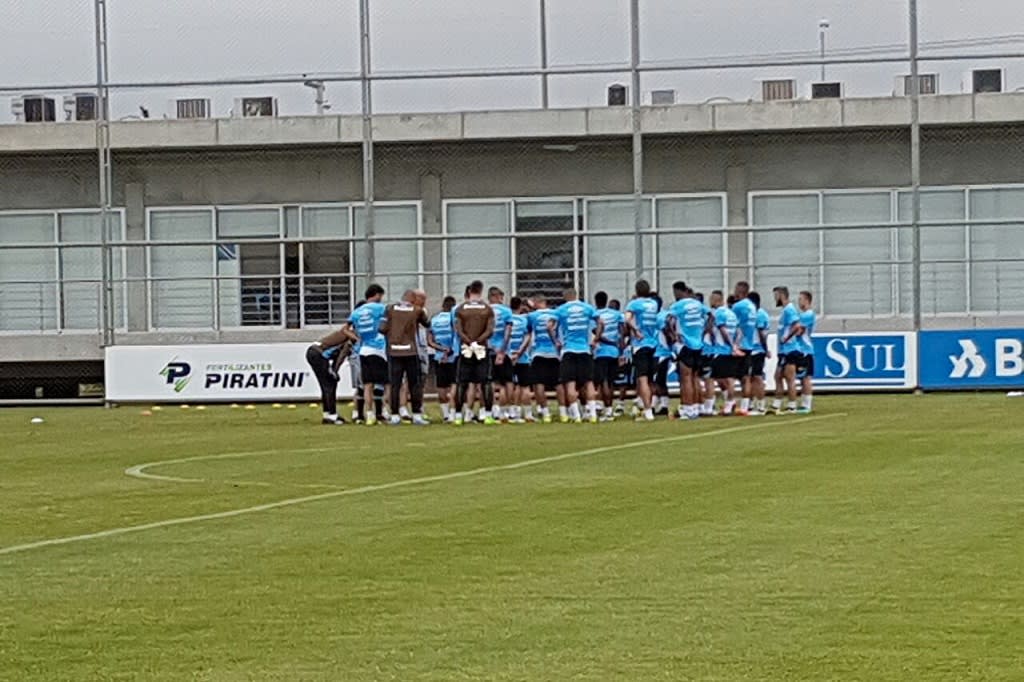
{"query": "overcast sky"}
{"type": "Point", "coordinates": [158, 40]}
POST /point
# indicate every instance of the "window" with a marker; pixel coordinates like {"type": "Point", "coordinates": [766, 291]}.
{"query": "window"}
{"type": "Point", "coordinates": [695, 258]}
{"type": "Point", "coordinates": [865, 288]}
{"type": "Point", "coordinates": [81, 271]}
{"type": "Point", "coordinates": [249, 288]}
{"type": "Point", "coordinates": [28, 277]}
{"type": "Point", "coordinates": [611, 258]}
{"type": "Point", "coordinates": [997, 281]}
{"type": "Point", "coordinates": [397, 260]}
{"type": "Point", "coordinates": [545, 264]}
{"type": "Point", "coordinates": [327, 284]}
{"type": "Point", "coordinates": [943, 284]}
{"type": "Point", "coordinates": [182, 276]}
{"type": "Point", "coordinates": [786, 257]}
{"type": "Point", "coordinates": [487, 259]}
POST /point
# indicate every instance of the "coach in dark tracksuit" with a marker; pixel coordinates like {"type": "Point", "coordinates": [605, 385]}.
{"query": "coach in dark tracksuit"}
{"type": "Point", "coordinates": [325, 357]}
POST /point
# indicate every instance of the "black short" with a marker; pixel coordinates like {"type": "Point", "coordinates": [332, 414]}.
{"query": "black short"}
{"type": "Point", "coordinates": [624, 376]}
{"type": "Point", "coordinates": [522, 375]}
{"type": "Point", "coordinates": [503, 373]}
{"type": "Point", "coordinates": [661, 376]}
{"type": "Point", "coordinates": [806, 369]}
{"type": "Point", "coordinates": [755, 366]}
{"type": "Point", "coordinates": [374, 369]}
{"type": "Point", "coordinates": [705, 365]}
{"type": "Point", "coordinates": [644, 363]}
{"type": "Point", "coordinates": [725, 367]}
{"type": "Point", "coordinates": [545, 371]}
{"type": "Point", "coordinates": [795, 358]}
{"type": "Point", "coordinates": [577, 368]}
{"type": "Point", "coordinates": [605, 370]}
{"type": "Point", "coordinates": [474, 371]}
{"type": "Point", "coordinates": [691, 359]}
{"type": "Point", "coordinates": [445, 374]}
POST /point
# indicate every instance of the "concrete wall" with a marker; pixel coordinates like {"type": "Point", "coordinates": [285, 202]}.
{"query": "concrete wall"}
{"type": "Point", "coordinates": [732, 162]}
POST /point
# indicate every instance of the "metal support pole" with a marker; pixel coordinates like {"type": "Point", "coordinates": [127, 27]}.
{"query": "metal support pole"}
{"type": "Point", "coordinates": [639, 223]}
{"type": "Point", "coordinates": [915, 162]}
{"type": "Point", "coordinates": [105, 172]}
{"type": "Point", "coordinates": [544, 100]}
{"type": "Point", "coordinates": [367, 102]}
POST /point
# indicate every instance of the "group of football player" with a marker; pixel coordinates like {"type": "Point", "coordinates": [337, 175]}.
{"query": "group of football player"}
{"type": "Point", "coordinates": [497, 362]}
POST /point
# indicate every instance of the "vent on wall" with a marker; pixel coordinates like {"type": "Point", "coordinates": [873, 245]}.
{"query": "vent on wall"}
{"type": "Point", "coordinates": [778, 90]}
{"type": "Point", "coordinates": [928, 84]}
{"type": "Point", "coordinates": [255, 107]}
{"type": "Point", "coordinates": [826, 90]}
{"type": "Point", "coordinates": [195, 107]}
{"type": "Point", "coordinates": [34, 109]}
{"type": "Point", "coordinates": [663, 97]}
{"type": "Point", "coordinates": [987, 80]}
{"type": "Point", "coordinates": [82, 106]}
{"type": "Point", "coordinates": [617, 95]}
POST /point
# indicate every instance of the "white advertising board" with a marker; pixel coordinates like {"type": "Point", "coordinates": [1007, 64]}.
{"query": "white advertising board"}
{"type": "Point", "coordinates": [214, 373]}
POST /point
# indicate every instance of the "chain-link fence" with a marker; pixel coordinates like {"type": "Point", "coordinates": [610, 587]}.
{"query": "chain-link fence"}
{"type": "Point", "coordinates": [264, 164]}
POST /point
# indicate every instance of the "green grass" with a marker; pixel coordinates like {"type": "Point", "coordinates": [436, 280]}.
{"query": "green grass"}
{"type": "Point", "coordinates": [886, 544]}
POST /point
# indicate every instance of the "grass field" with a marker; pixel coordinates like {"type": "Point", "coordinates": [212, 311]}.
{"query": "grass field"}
{"type": "Point", "coordinates": [882, 539]}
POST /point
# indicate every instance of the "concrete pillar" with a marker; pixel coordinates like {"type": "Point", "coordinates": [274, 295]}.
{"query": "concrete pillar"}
{"type": "Point", "coordinates": [430, 196]}
{"type": "Point", "coordinates": [135, 257]}
{"type": "Point", "coordinates": [738, 253]}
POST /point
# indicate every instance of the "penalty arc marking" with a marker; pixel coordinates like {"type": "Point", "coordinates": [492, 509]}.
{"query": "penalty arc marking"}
{"type": "Point", "coordinates": [363, 490]}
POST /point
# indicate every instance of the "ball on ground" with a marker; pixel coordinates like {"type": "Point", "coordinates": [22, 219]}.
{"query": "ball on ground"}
{"type": "Point", "coordinates": [37, 420]}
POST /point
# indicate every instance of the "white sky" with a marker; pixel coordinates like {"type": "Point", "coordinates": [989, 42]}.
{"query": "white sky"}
{"type": "Point", "coordinates": [159, 40]}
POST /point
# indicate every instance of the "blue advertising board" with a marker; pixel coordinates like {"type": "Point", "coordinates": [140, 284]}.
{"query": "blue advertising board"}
{"type": "Point", "coordinates": [865, 361]}
{"type": "Point", "coordinates": [972, 359]}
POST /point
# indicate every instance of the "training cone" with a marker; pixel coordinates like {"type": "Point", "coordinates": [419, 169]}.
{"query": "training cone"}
{"type": "Point", "coordinates": [37, 420]}
{"type": "Point", "coordinates": [277, 406]}
{"type": "Point", "coordinates": [157, 408]}
{"type": "Point", "coordinates": [235, 406]}
{"type": "Point", "coordinates": [292, 407]}
{"type": "Point", "coordinates": [146, 413]}
{"type": "Point", "coordinates": [184, 407]}
{"type": "Point", "coordinates": [250, 407]}
{"type": "Point", "coordinates": [201, 407]}
{"type": "Point", "coordinates": [313, 406]}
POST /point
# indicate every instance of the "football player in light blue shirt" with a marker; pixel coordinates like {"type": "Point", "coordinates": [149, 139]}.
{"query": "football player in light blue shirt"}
{"type": "Point", "coordinates": [808, 320]}
{"type": "Point", "coordinates": [578, 326]}
{"type": "Point", "coordinates": [442, 333]}
{"type": "Point", "coordinates": [642, 320]}
{"type": "Point", "coordinates": [758, 355]}
{"type": "Point", "coordinates": [544, 364]}
{"type": "Point", "coordinates": [725, 351]}
{"type": "Point", "coordinates": [688, 322]}
{"type": "Point", "coordinates": [663, 355]}
{"type": "Point", "coordinates": [608, 356]}
{"type": "Point", "coordinates": [790, 356]}
{"type": "Point", "coordinates": [503, 371]}
{"type": "Point", "coordinates": [364, 328]}
{"type": "Point", "coordinates": [746, 316]}
{"type": "Point", "coordinates": [519, 340]}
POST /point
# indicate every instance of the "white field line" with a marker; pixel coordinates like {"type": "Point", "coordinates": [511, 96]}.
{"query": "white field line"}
{"type": "Point", "coordinates": [406, 483]}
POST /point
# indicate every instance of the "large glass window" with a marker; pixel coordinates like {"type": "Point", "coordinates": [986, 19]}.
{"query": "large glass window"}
{"type": "Point", "coordinates": [182, 276]}
{"type": "Point", "coordinates": [695, 258]}
{"type": "Point", "coordinates": [397, 260]}
{"type": "Point", "coordinates": [327, 284]}
{"type": "Point", "coordinates": [249, 283]}
{"type": "Point", "coordinates": [486, 259]}
{"type": "Point", "coordinates": [997, 281]}
{"type": "Point", "coordinates": [943, 284]}
{"type": "Point", "coordinates": [865, 285]}
{"type": "Point", "coordinates": [28, 276]}
{"type": "Point", "coordinates": [545, 264]}
{"type": "Point", "coordinates": [786, 257]}
{"type": "Point", "coordinates": [81, 271]}
{"type": "Point", "coordinates": [611, 258]}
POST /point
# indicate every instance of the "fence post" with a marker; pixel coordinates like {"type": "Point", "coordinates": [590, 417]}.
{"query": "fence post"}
{"type": "Point", "coordinates": [638, 144]}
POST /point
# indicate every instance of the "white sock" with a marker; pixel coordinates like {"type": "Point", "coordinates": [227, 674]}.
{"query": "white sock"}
{"type": "Point", "coordinates": [728, 407]}
{"type": "Point", "coordinates": [445, 410]}
{"type": "Point", "coordinates": [403, 412]}
{"type": "Point", "coordinates": [745, 405]}
{"type": "Point", "coordinates": [709, 406]}
{"type": "Point", "coordinates": [791, 404]}
{"type": "Point", "coordinates": [649, 413]}
{"type": "Point", "coordinates": [496, 411]}
{"type": "Point", "coordinates": [574, 411]}
{"type": "Point", "coordinates": [563, 411]}
{"type": "Point", "coordinates": [328, 415]}
{"type": "Point", "coordinates": [808, 401]}
{"type": "Point", "coordinates": [777, 404]}
{"type": "Point", "coordinates": [545, 411]}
